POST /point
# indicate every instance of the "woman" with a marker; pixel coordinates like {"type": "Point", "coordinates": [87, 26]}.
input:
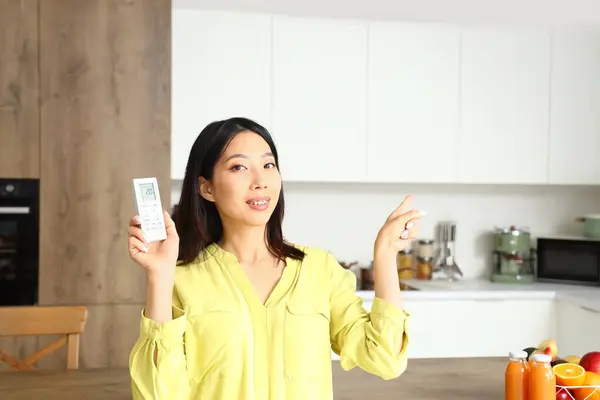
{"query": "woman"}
{"type": "Point", "coordinates": [233, 311]}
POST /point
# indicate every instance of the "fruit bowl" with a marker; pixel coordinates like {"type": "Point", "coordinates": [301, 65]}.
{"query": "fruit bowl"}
{"type": "Point", "coordinates": [577, 377]}
{"type": "Point", "coordinates": [577, 392]}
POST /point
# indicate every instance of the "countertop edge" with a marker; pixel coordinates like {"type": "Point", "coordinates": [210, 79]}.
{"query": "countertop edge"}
{"type": "Point", "coordinates": [581, 299]}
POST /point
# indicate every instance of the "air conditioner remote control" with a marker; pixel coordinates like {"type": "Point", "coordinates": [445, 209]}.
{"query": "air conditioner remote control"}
{"type": "Point", "coordinates": [149, 208]}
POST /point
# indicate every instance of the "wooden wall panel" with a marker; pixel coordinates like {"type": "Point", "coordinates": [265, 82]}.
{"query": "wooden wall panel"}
{"type": "Point", "coordinates": [110, 334]}
{"type": "Point", "coordinates": [105, 118]}
{"type": "Point", "coordinates": [19, 96]}
{"type": "Point", "coordinates": [19, 347]}
{"type": "Point", "coordinates": [19, 113]}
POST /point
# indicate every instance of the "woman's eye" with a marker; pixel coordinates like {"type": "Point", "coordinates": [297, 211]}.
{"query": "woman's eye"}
{"type": "Point", "coordinates": [270, 165]}
{"type": "Point", "coordinates": [237, 167]}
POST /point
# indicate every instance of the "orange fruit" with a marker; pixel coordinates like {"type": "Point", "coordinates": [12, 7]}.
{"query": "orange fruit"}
{"type": "Point", "coordinates": [589, 393]}
{"type": "Point", "coordinates": [569, 374]}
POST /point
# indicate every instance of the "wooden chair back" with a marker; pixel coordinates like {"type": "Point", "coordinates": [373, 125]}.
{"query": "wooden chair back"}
{"type": "Point", "coordinates": [67, 321]}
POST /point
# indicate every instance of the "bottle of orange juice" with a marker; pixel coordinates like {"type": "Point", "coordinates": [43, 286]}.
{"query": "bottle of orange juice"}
{"type": "Point", "coordinates": [516, 377]}
{"type": "Point", "coordinates": [542, 382]}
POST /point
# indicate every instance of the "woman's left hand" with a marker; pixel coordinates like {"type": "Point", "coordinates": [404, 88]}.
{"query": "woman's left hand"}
{"type": "Point", "coordinates": [400, 227]}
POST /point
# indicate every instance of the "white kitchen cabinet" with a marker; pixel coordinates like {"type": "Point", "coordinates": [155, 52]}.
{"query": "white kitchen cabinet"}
{"type": "Point", "coordinates": [477, 328]}
{"type": "Point", "coordinates": [504, 111]}
{"type": "Point", "coordinates": [441, 328]}
{"type": "Point", "coordinates": [221, 68]}
{"type": "Point", "coordinates": [575, 107]}
{"type": "Point", "coordinates": [577, 329]}
{"type": "Point", "coordinates": [413, 102]}
{"type": "Point", "coordinates": [319, 98]}
{"type": "Point", "coordinates": [512, 324]}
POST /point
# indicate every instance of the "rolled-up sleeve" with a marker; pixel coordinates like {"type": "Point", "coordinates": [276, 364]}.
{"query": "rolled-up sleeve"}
{"type": "Point", "coordinates": [167, 379]}
{"type": "Point", "coordinates": [376, 341]}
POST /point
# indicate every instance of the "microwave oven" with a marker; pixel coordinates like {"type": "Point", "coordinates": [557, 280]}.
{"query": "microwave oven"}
{"type": "Point", "coordinates": [568, 259]}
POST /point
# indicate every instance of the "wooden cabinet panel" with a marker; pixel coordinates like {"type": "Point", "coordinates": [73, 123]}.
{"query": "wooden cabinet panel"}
{"type": "Point", "coordinates": [19, 104]}
{"type": "Point", "coordinates": [110, 334]}
{"type": "Point", "coordinates": [105, 119]}
{"type": "Point", "coordinates": [18, 347]}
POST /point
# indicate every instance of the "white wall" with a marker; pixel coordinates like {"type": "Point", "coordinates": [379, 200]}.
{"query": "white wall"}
{"type": "Point", "coordinates": [345, 218]}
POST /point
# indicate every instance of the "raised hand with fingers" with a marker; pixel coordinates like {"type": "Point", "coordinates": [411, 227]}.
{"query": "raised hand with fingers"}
{"type": "Point", "coordinates": [401, 226]}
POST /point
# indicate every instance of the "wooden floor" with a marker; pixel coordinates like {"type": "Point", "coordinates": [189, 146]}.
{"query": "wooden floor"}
{"type": "Point", "coordinates": [432, 379]}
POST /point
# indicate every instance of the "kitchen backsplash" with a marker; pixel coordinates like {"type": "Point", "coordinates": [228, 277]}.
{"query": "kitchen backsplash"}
{"type": "Point", "coordinates": [345, 218]}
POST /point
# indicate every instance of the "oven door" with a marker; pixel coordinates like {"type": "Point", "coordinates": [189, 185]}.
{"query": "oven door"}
{"type": "Point", "coordinates": [19, 252]}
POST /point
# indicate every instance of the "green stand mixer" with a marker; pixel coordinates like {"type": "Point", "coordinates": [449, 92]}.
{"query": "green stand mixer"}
{"type": "Point", "coordinates": [512, 256]}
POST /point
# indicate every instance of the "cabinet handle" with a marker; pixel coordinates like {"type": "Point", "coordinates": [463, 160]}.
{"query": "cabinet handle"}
{"type": "Point", "coordinates": [589, 309]}
{"type": "Point", "coordinates": [14, 210]}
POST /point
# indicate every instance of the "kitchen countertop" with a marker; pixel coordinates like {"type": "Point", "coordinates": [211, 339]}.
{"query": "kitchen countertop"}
{"type": "Point", "coordinates": [586, 296]}
{"type": "Point", "coordinates": [424, 379]}
{"type": "Point", "coordinates": [427, 379]}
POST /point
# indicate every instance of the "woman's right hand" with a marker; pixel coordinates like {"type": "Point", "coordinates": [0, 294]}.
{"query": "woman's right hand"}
{"type": "Point", "coordinates": [157, 258]}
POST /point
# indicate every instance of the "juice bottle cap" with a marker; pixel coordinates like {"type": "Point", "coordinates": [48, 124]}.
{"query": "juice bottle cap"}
{"type": "Point", "coordinates": [518, 354]}
{"type": "Point", "coordinates": [545, 358]}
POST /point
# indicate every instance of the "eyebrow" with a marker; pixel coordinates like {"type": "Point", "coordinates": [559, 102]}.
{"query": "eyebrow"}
{"type": "Point", "coordinates": [269, 154]}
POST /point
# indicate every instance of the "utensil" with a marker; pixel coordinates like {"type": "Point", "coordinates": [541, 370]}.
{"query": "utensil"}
{"type": "Point", "coordinates": [446, 267]}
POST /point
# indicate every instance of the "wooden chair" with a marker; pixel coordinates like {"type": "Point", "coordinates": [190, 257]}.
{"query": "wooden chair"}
{"type": "Point", "coordinates": [68, 321]}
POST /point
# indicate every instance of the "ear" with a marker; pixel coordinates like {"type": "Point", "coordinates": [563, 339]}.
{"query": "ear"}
{"type": "Point", "coordinates": [205, 189]}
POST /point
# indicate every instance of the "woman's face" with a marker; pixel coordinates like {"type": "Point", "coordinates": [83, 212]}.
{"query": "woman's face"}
{"type": "Point", "coordinates": [246, 182]}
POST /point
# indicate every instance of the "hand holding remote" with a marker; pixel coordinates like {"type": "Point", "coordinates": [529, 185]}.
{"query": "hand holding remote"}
{"type": "Point", "coordinates": [157, 258]}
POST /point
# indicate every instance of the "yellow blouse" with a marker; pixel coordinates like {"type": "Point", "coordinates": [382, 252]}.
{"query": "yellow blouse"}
{"type": "Point", "coordinates": [224, 343]}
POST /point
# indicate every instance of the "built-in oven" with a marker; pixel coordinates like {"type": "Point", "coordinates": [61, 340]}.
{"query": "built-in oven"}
{"type": "Point", "coordinates": [19, 241]}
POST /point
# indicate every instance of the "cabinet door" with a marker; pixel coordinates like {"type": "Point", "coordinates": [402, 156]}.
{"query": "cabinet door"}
{"type": "Point", "coordinates": [319, 96]}
{"type": "Point", "coordinates": [501, 326]}
{"type": "Point", "coordinates": [413, 102]}
{"type": "Point", "coordinates": [575, 116]}
{"type": "Point", "coordinates": [577, 328]}
{"type": "Point", "coordinates": [475, 327]}
{"type": "Point", "coordinates": [221, 69]}
{"type": "Point", "coordinates": [505, 74]}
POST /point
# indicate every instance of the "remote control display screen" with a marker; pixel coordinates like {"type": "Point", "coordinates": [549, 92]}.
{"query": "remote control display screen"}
{"type": "Point", "coordinates": [148, 192]}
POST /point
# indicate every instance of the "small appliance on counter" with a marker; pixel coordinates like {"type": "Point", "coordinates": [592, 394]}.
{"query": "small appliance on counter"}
{"type": "Point", "coordinates": [512, 256]}
{"type": "Point", "coordinates": [568, 259]}
{"type": "Point", "coordinates": [445, 266]}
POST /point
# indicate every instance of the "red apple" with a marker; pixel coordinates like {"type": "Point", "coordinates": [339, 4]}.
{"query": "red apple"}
{"type": "Point", "coordinates": [591, 362]}
{"type": "Point", "coordinates": [563, 394]}
{"type": "Point", "coordinates": [548, 347]}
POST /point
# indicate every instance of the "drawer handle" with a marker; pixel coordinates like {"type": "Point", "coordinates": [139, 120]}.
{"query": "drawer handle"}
{"type": "Point", "coordinates": [589, 309]}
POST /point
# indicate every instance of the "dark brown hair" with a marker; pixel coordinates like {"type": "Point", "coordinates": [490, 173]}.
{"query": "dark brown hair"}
{"type": "Point", "coordinates": [197, 219]}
